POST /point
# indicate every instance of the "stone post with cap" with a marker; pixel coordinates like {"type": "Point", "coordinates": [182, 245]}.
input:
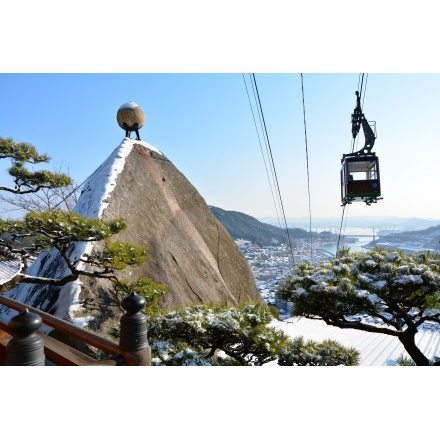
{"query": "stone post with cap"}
{"type": "Point", "coordinates": [26, 348]}
{"type": "Point", "coordinates": [133, 341]}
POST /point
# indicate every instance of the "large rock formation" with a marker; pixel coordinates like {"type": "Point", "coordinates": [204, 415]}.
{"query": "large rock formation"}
{"type": "Point", "coordinates": [188, 249]}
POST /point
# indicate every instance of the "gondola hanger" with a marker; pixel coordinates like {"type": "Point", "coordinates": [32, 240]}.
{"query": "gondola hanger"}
{"type": "Point", "coordinates": [360, 176]}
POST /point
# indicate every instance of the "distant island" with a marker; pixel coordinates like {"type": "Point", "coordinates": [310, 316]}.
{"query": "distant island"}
{"type": "Point", "coordinates": [410, 241]}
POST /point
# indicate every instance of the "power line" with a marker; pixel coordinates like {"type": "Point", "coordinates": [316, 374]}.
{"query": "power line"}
{"type": "Point", "coordinates": [362, 92]}
{"type": "Point", "coordinates": [307, 166]}
{"type": "Point", "coordinates": [274, 170]}
{"type": "Point", "coordinates": [262, 152]}
{"type": "Point", "coordinates": [271, 161]}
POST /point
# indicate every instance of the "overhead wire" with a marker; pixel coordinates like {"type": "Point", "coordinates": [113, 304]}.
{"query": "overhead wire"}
{"type": "Point", "coordinates": [262, 152]}
{"type": "Point", "coordinates": [353, 142]}
{"type": "Point", "coordinates": [278, 205]}
{"type": "Point", "coordinates": [307, 166]}
{"type": "Point", "coordinates": [278, 200]}
{"type": "Point", "coordinates": [273, 169]}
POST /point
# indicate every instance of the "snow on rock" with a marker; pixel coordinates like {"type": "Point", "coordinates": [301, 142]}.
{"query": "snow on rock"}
{"type": "Point", "coordinates": [98, 187]}
{"type": "Point", "coordinates": [91, 203]}
{"type": "Point", "coordinates": [129, 104]}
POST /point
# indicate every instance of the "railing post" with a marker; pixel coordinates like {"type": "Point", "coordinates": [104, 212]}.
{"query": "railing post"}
{"type": "Point", "coordinates": [26, 348]}
{"type": "Point", "coordinates": [133, 337]}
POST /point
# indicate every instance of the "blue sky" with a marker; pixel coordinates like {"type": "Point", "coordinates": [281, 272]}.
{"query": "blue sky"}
{"type": "Point", "coordinates": [184, 63]}
{"type": "Point", "coordinates": [204, 124]}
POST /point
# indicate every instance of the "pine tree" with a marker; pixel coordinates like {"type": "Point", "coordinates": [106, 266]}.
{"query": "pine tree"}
{"type": "Point", "coordinates": [380, 291]}
{"type": "Point", "coordinates": [47, 230]}
{"type": "Point", "coordinates": [241, 335]}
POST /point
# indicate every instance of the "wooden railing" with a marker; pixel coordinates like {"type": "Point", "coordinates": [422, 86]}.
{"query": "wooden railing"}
{"type": "Point", "coordinates": [22, 344]}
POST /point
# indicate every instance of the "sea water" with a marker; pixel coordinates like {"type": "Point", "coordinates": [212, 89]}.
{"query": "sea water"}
{"type": "Point", "coordinates": [364, 236]}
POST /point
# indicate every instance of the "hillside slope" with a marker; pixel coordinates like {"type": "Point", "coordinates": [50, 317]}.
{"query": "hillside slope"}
{"type": "Point", "coordinates": [243, 226]}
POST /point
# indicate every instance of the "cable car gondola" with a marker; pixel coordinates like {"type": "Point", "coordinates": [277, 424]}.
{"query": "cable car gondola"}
{"type": "Point", "coordinates": [360, 177]}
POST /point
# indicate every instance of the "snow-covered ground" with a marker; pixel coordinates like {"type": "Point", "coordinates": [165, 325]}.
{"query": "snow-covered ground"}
{"type": "Point", "coordinates": [375, 349]}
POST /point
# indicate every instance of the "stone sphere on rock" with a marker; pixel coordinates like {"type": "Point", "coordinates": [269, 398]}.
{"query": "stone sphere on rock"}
{"type": "Point", "coordinates": [130, 117]}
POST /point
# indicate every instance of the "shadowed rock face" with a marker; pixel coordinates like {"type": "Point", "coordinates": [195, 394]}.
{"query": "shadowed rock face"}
{"type": "Point", "coordinates": [188, 249]}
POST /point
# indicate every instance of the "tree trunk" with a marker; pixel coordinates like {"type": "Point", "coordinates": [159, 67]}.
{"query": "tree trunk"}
{"type": "Point", "coordinates": [408, 341]}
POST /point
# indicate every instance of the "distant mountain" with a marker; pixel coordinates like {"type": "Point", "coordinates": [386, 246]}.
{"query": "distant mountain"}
{"type": "Point", "coordinates": [379, 223]}
{"type": "Point", "coordinates": [410, 241]}
{"type": "Point", "coordinates": [243, 226]}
